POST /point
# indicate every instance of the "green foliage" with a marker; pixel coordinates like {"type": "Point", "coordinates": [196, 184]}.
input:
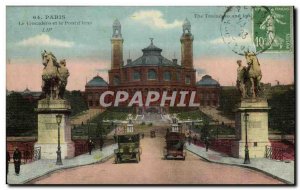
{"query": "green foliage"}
{"type": "Point", "coordinates": [94, 129]}
{"type": "Point", "coordinates": [77, 101]}
{"type": "Point", "coordinates": [194, 115]}
{"type": "Point", "coordinates": [282, 113]}
{"type": "Point", "coordinates": [213, 131]}
{"type": "Point", "coordinates": [21, 119]}
{"type": "Point", "coordinates": [114, 114]}
{"type": "Point", "coordinates": [281, 99]}
{"type": "Point", "coordinates": [229, 98]}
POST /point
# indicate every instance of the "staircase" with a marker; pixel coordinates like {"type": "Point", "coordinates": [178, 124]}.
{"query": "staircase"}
{"type": "Point", "coordinates": [154, 118]}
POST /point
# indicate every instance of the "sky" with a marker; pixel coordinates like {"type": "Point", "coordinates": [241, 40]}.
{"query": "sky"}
{"type": "Point", "coordinates": [81, 35]}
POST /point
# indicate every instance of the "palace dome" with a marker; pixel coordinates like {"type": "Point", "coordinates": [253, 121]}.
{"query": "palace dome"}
{"type": "Point", "coordinates": [207, 80]}
{"type": "Point", "coordinates": [152, 56]}
{"type": "Point", "coordinates": [97, 81]}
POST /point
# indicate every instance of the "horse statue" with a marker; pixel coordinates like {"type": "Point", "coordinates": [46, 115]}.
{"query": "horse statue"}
{"type": "Point", "coordinates": [63, 78]}
{"type": "Point", "coordinates": [54, 76]}
{"type": "Point", "coordinates": [252, 75]}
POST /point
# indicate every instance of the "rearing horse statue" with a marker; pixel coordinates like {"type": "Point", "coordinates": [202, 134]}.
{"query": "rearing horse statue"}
{"type": "Point", "coordinates": [54, 76]}
{"type": "Point", "coordinates": [253, 74]}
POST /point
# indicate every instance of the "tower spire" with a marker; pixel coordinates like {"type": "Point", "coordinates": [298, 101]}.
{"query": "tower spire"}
{"type": "Point", "coordinates": [117, 29]}
{"type": "Point", "coordinates": [117, 46]}
{"type": "Point", "coordinates": [187, 45]}
{"type": "Point", "coordinates": [151, 39]}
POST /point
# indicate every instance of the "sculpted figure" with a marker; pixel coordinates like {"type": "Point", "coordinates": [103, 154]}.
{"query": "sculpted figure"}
{"type": "Point", "coordinates": [248, 78]}
{"type": "Point", "coordinates": [240, 78]}
{"type": "Point", "coordinates": [253, 73]}
{"type": "Point", "coordinates": [63, 78]}
{"type": "Point", "coordinates": [54, 76]}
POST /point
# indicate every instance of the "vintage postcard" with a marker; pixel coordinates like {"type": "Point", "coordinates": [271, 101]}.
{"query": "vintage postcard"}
{"type": "Point", "coordinates": [113, 95]}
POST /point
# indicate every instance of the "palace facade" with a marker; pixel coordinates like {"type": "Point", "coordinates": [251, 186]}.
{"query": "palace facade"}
{"type": "Point", "coordinates": [153, 72]}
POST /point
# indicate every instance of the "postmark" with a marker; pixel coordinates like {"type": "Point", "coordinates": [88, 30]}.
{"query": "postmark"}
{"type": "Point", "coordinates": [237, 28]}
{"type": "Point", "coordinates": [272, 28]}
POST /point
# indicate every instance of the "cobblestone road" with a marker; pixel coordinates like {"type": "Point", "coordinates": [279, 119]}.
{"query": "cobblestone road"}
{"type": "Point", "coordinates": [154, 170]}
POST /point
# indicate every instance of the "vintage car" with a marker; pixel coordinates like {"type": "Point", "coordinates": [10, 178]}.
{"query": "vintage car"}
{"type": "Point", "coordinates": [128, 148]}
{"type": "Point", "coordinates": [152, 133]}
{"type": "Point", "coordinates": [175, 146]}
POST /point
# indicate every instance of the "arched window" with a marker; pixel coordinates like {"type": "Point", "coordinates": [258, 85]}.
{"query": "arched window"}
{"type": "Point", "coordinates": [167, 75]}
{"type": "Point", "coordinates": [152, 74]}
{"type": "Point", "coordinates": [136, 75]}
{"type": "Point", "coordinates": [116, 80]}
{"type": "Point", "coordinates": [187, 80]}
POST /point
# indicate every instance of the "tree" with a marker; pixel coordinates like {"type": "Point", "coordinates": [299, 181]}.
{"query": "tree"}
{"type": "Point", "coordinates": [21, 119]}
{"type": "Point", "coordinates": [282, 113]}
{"type": "Point", "coordinates": [76, 100]}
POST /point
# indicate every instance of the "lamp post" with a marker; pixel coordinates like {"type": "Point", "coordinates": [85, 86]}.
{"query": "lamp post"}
{"type": "Point", "coordinates": [217, 129]}
{"type": "Point", "coordinates": [88, 123]}
{"type": "Point", "coordinates": [247, 158]}
{"type": "Point", "coordinates": [113, 126]}
{"type": "Point", "coordinates": [58, 152]}
{"type": "Point", "coordinates": [193, 125]}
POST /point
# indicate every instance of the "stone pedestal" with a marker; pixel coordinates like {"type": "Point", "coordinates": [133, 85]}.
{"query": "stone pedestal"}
{"type": "Point", "coordinates": [48, 129]}
{"type": "Point", "coordinates": [257, 128]}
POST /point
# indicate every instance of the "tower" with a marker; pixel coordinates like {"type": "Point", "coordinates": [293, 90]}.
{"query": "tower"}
{"type": "Point", "coordinates": [117, 46]}
{"type": "Point", "coordinates": [187, 45]}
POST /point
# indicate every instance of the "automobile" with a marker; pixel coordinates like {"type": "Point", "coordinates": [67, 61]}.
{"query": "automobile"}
{"type": "Point", "coordinates": [175, 146]}
{"type": "Point", "coordinates": [152, 134]}
{"type": "Point", "coordinates": [128, 148]}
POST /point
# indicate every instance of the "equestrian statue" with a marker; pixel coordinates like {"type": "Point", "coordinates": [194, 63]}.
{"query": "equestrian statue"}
{"type": "Point", "coordinates": [54, 77]}
{"type": "Point", "coordinates": [249, 77]}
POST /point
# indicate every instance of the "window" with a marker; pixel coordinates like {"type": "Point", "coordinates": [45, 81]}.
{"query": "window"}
{"type": "Point", "coordinates": [177, 76]}
{"type": "Point", "coordinates": [136, 75]}
{"type": "Point", "coordinates": [96, 96]}
{"type": "Point", "coordinates": [187, 80]}
{"type": "Point", "coordinates": [116, 80]}
{"type": "Point", "coordinates": [151, 74]}
{"type": "Point", "coordinates": [167, 75]}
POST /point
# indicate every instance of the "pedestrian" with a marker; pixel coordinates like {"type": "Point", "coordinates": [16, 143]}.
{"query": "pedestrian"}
{"type": "Point", "coordinates": [17, 160]}
{"type": "Point", "coordinates": [101, 143]}
{"type": "Point", "coordinates": [90, 146]}
{"type": "Point", "coordinates": [206, 143]}
{"type": "Point", "coordinates": [190, 139]}
{"type": "Point", "coordinates": [195, 139]}
{"type": "Point", "coordinates": [7, 161]}
{"type": "Point", "coordinates": [115, 138]}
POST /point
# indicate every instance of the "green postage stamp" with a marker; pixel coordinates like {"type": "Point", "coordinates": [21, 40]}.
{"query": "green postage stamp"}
{"type": "Point", "coordinates": [272, 28]}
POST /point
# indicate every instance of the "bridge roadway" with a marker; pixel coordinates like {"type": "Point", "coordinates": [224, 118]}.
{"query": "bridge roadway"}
{"type": "Point", "coordinates": [153, 169]}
